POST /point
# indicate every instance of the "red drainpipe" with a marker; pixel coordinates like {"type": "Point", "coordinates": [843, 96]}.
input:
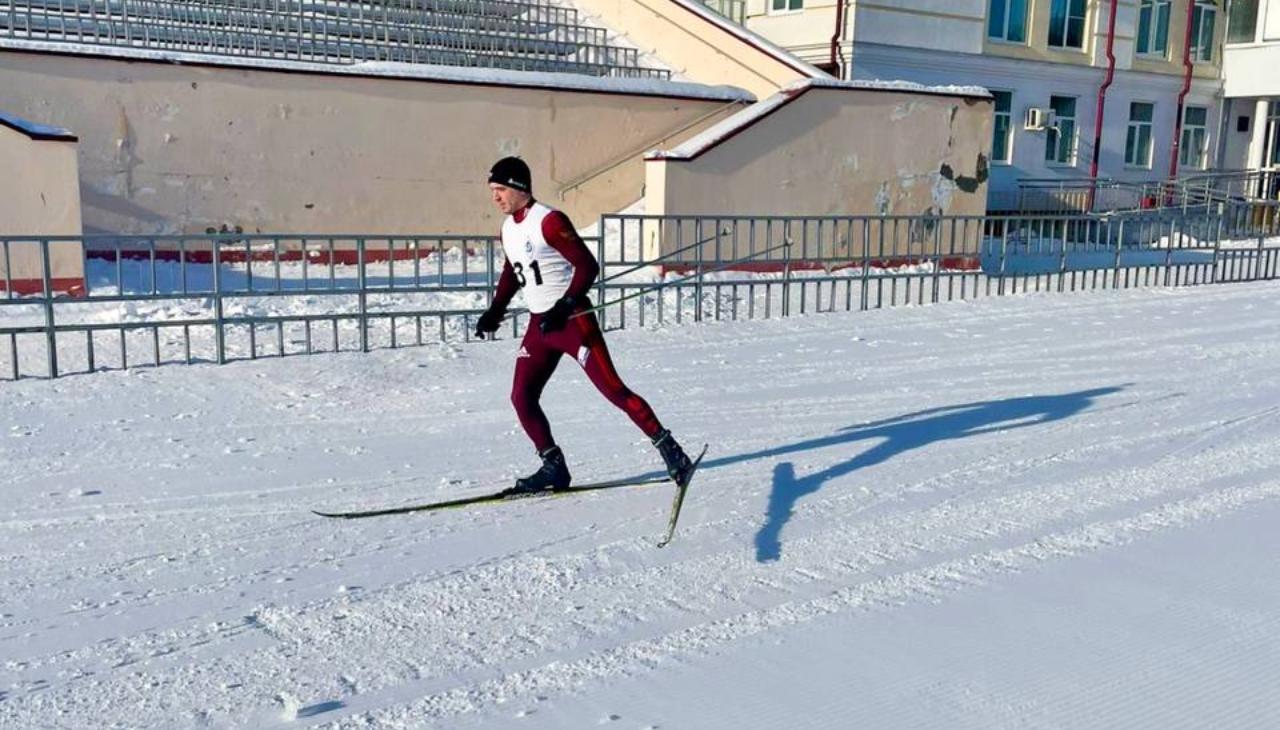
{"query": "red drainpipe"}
{"type": "Point", "coordinates": [1187, 68]}
{"type": "Point", "coordinates": [1102, 101]}
{"type": "Point", "coordinates": [836, 61]}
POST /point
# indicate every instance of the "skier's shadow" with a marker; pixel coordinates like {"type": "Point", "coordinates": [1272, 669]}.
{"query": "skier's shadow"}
{"type": "Point", "coordinates": [898, 435]}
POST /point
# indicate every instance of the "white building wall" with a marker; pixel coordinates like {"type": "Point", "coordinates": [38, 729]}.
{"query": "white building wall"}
{"type": "Point", "coordinates": [1251, 82]}
{"type": "Point", "coordinates": [958, 27]}
{"type": "Point", "coordinates": [1031, 84]}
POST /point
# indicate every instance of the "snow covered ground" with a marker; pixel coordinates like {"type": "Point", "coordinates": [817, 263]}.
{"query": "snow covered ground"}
{"type": "Point", "coordinates": [1030, 511]}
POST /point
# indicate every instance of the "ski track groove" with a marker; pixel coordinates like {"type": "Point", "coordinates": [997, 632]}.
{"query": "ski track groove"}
{"type": "Point", "coordinates": [686, 576]}
{"type": "Point", "coordinates": [579, 620]}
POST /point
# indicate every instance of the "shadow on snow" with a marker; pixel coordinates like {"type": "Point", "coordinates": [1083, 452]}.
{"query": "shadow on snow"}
{"type": "Point", "coordinates": [897, 436]}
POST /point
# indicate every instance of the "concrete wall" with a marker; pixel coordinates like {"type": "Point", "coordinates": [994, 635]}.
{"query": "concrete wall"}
{"type": "Point", "coordinates": [39, 196]}
{"type": "Point", "coordinates": [169, 148]}
{"type": "Point", "coordinates": [822, 150]}
{"type": "Point", "coordinates": [701, 45]}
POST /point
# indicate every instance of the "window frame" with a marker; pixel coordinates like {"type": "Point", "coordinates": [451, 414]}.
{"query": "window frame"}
{"type": "Point", "coordinates": [1138, 125]}
{"type": "Point", "coordinates": [1202, 51]}
{"type": "Point", "coordinates": [1233, 16]}
{"type": "Point", "coordinates": [1083, 19]}
{"type": "Point", "coordinates": [1201, 161]}
{"type": "Point", "coordinates": [787, 9]}
{"type": "Point", "coordinates": [1153, 29]}
{"type": "Point", "coordinates": [1008, 19]}
{"type": "Point", "coordinates": [1009, 129]}
{"type": "Point", "coordinates": [1054, 134]}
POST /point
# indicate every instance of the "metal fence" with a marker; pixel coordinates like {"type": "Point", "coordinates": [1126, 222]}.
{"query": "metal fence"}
{"type": "Point", "coordinates": [154, 300]}
{"type": "Point", "coordinates": [1250, 199]}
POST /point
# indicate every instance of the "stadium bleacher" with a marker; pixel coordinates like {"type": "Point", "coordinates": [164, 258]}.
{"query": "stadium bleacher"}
{"type": "Point", "coordinates": [524, 35]}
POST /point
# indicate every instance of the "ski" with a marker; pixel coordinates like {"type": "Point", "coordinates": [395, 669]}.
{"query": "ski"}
{"type": "Point", "coordinates": [493, 497]}
{"type": "Point", "coordinates": [678, 502]}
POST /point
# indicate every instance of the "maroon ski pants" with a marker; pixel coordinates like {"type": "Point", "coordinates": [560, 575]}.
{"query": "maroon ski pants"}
{"type": "Point", "coordinates": [537, 359]}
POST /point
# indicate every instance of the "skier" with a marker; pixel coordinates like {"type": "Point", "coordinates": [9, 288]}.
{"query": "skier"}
{"type": "Point", "coordinates": [546, 258]}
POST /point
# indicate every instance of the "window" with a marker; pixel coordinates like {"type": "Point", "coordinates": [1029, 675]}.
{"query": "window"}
{"type": "Point", "coordinates": [1202, 21]}
{"type": "Point", "coordinates": [1002, 135]}
{"type": "Point", "coordinates": [1195, 133]}
{"type": "Point", "coordinates": [1060, 139]}
{"type": "Point", "coordinates": [1153, 27]}
{"type": "Point", "coordinates": [783, 6]}
{"type": "Point", "coordinates": [1066, 24]}
{"type": "Point", "coordinates": [1007, 20]}
{"type": "Point", "coordinates": [1242, 21]}
{"type": "Point", "coordinates": [1137, 144]}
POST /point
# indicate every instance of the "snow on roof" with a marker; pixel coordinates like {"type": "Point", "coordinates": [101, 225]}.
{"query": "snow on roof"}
{"type": "Point", "coordinates": [730, 126]}
{"type": "Point", "coordinates": [726, 128]}
{"type": "Point", "coordinates": [893, 85]}
{"type": "Point", "coordinates": [388, 69]}
{"type": "Point", "coordinates": [35, 130]}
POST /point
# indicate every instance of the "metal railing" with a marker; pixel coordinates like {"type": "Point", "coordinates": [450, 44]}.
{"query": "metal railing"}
{"type": "Point", "coordinates": [524, 35]}
{"type": "Point", "coordinates": [1248, 199]}
{"type": "Point", "coordinates": [1260, 185]}
{"type": "Point", "coordinates": [153, 301]}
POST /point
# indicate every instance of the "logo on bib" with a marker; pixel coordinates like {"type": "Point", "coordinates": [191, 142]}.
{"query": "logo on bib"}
{"type": "Point", "coordinates": [528, 246]}
{"type": "Point", "coordinates": [522, 353]}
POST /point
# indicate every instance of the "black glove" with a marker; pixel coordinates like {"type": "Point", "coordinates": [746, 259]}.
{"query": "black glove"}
{"type": "Point", "coordinates": [553, 319]}
{"type": "Point", "coordinates": [489, 322]}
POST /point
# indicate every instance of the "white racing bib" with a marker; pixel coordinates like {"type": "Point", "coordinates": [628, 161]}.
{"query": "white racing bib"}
{"type": "Point", "coordinates": [543, 274]}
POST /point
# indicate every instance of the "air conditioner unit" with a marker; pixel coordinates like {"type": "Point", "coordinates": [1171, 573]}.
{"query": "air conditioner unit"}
{"type": "Point", "coordinates": [1037, 119]}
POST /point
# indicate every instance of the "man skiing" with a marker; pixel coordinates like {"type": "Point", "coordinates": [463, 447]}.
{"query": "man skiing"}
{"type": "Point", "coordinates": [546, 257]}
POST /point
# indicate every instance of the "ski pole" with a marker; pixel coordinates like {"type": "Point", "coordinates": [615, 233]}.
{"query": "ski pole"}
{"type": "Point", "coordinates": [663, 285]}
{"type": "Point", "coordinates": [646, 264]}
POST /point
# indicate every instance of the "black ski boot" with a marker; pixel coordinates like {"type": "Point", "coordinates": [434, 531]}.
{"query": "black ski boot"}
{"type": "Point", "coordinates": [553, 475]}
{"type": "Point", "coordinates": [679, 467]}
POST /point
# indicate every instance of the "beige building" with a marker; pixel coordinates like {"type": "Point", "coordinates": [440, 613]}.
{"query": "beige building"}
{"type": "Point", "coordinates": [1124, 89]}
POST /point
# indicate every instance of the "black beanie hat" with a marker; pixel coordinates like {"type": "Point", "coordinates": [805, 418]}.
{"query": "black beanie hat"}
{"type": "Point", "coordinates": [512, 172]}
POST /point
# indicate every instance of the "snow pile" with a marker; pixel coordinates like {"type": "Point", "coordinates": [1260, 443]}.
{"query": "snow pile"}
{"type": "Point", "coordinates": [729, 126]}
{"type": "Point", "coordinates": [393, 69]}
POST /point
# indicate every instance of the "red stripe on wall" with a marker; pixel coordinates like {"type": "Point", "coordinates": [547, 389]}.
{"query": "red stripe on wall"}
{"type": "Point", "coordinates": [231, 256]}
{"type": "Point", "coordinates": [69, 286]}
{"type": "Point", "coordinates": [961, 263]}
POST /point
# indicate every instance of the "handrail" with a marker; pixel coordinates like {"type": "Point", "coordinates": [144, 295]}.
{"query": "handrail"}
{"type": "Point", "coordinates": [631, 154]}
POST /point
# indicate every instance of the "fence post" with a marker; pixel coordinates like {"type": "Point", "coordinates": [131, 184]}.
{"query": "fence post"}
{"type": "Point", "coordinates": [786, 269]}
{"type": "Point", "coordinates": [219, 327]}
{"type": "Point", "coordinates": [697, 282]}
{"type": "Point", "coordinates": [1217, 254]}
{"type": "Point", "coordinates": [937, 257]}
{"type": "Point", "coordinates": [490, 274]}
{"type": "Point", "coordinates": [363, 296]}
{"type": "Point", "coordinates": [1004, 255]}
{"type": "Point", "coordinates": [600, 291]}
{"type": "Point", "coordinates": [51, 336]}
{"type": "Point", "coordinates": [864, 302]}
{"type": "Point", "coordinates": [1257, 261]}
